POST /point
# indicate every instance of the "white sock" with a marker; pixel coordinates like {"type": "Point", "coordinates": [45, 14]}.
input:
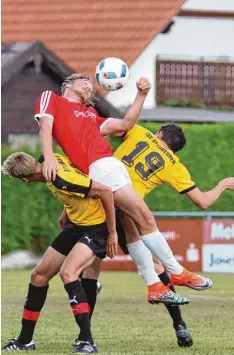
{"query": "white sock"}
{"type": "Point", "coordinates": [158, 245]}
{"type": "Point", "coordinates": [144, 261]}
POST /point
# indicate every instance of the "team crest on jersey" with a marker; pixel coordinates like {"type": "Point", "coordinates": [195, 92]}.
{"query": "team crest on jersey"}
{"type": "Point", "coordinates": [85, 114]}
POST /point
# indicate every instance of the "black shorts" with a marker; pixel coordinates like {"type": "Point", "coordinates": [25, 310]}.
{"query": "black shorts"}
{"type": "Point", "coordinates": [94, 237]}
{"type": "Point", "coordinates": [121, 235]}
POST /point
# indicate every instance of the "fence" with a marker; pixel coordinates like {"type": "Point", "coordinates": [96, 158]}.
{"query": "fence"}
{"type": "Point", "coordinates": [211, 83]}
{"type": "Point", "coordinates": [200, 241]}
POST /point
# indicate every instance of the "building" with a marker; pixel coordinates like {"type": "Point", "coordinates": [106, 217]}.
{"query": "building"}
{"type": "Point", "coordinates": [201, 32]}
{"type": "Point", "coordinates": [82, 33]}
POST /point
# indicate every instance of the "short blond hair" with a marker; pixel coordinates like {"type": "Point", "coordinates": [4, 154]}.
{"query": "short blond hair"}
{"type": "Point", "coordinates": [19, 164]}
{"type": "Point", "coordinates": [70, 79]}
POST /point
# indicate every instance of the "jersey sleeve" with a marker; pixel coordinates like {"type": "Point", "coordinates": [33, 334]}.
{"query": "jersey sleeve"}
{"type": "Point", "coordinates": [102, 121]}
{"type": "Point", "coordinates": [179, 178]}
{"type": "Point", "coordinates": [71, 180]}
{"type": "Point", "coordinates": [45, 106]}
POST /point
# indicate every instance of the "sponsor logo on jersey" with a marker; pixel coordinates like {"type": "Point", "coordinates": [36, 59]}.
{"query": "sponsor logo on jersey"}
{"type": "Point", "coordinates": [85, 114]}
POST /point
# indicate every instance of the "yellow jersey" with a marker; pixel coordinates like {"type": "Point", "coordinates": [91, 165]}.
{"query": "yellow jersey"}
{"type": "Point", "coordinates": [71, 188]}
{"type": "Point", "coordinates": [149, 164]}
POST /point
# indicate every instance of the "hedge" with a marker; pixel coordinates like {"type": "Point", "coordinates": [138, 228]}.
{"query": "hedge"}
{"type": "Point", "coordinates": [30, 212]}
{"type": "Point", "coordinates": [29, 215]}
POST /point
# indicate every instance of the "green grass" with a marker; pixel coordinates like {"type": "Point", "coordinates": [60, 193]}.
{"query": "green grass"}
{"type": "Point", "coordinates": [124, 323]}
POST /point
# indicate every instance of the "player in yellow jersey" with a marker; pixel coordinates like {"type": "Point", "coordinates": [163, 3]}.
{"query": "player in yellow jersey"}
{"type": "Point", "coordinates": [83, 239]}
{"type": "Point", "coordinates": [151, 161]}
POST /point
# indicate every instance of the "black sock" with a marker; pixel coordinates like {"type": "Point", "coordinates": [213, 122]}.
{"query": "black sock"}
{"type": "Point", "coordinates": [165, 278]}
{"type": "Point", "coordinates": [174, 311]}
{"type": "Point", "coordinates": [80, 308]}
{"type": "Point", "coordinates": [33, 305]}
{"type": "Point", "coordinates": [90, 288]}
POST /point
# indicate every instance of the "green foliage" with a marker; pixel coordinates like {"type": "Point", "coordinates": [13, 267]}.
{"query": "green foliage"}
{"type": "Point", "coordinates": [30, 212]}
{"type": "Point", "coordinates": [184, 103]}
{"type": "Point", "coordinates": [226, 108]}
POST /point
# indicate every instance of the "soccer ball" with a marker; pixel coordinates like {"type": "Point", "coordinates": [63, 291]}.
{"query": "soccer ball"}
{"type": "Point", "coordinates": [112, 73]}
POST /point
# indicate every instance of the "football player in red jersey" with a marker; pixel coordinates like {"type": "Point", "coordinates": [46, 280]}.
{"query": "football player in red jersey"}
{"type": "Point", "coordinates": [80, 131]}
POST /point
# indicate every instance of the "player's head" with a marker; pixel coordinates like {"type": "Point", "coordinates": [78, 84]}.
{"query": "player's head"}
{"type": "Point", "coordinates": [81, 85]}
{"type": "Point", "coordinates": [173, 136]}
{"type": "Point", "coordinates": [22, 166]}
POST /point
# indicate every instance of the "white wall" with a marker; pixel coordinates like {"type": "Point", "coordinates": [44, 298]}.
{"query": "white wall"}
{"type": "Point", "coordinates": [224, 5]}
{"type": "Point", "coordinates": [188, 37]}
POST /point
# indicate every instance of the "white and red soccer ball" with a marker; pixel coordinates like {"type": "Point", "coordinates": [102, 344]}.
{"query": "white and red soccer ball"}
{"type": "Point", "coordinates": [112, 73]}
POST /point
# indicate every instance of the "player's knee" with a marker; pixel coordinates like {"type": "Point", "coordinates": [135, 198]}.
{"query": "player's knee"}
{"type": "Point", "coordinates": [64, 274]}
{"type": "Point", "coordinates": [67, 275]}
{"type": "Point", "coordinates": [91, 273]}
{"type": "Point", "coordinates": [39, 277]}
{"type": "Point", "coordinates": [151, 224]}
{"type": "Point", "coordinates": [146, 222]}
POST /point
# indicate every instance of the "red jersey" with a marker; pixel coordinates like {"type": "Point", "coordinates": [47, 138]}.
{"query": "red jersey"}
{"type": "Point", "coordinates": [76, 128]}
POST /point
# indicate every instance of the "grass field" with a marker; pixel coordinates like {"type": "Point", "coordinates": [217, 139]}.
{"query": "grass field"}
{"type": "Point", "coordinates": [124, 323]}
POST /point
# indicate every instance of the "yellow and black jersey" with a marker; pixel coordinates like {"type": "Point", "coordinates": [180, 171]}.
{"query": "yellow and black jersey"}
{"type": "Point", "coordinates": [71, 187]}
{"type": "Point", "coordinates": [149, 164]}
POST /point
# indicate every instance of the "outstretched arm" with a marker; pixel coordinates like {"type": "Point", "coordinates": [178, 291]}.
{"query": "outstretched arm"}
{"type": "Point", "coordinates": [116, 126]}
{"type": "Point", "coordinates": [206, 199]}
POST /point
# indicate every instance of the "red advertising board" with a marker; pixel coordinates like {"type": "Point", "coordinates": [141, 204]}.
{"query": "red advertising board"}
{"type": "Point", "coordinates": [184, 237]}
{"type": "Point", "coordinates": [120, 262]}
{"type": "Point", "coordinates": [219, 231]}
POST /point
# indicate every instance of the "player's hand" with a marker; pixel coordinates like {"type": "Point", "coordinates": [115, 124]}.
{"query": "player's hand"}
{"type": "Point", "coordinates": [50, 168]}
{"type": "Point", "coordinates": [112, 244]}
{"type": "Point", "coordinates": [63, 220]}
{"type": "Point", "coordinates": [143, 86]}
{"type": "Point", "coordinates": [228, 183]}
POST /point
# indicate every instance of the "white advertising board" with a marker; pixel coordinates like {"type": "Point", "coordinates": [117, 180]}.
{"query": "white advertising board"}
{"type": "Point", "coordinates": [218, 258]}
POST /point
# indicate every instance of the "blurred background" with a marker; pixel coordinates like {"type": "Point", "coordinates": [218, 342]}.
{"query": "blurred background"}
{"type": "Point", "coordinates": [186, 50]}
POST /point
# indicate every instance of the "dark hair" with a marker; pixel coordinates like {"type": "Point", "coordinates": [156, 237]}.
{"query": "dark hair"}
{"type": "Point", "coordinates": [174, 136]}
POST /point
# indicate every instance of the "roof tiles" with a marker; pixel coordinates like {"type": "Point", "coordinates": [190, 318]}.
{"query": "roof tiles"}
{"type": "Point", "coordinates": [83, 32]}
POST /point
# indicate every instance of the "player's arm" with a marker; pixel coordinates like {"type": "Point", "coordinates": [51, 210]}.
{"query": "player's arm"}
{"type": "Point", "coordinates": [50, 165]}
{"type": "Point", "coordinates": [63, 219]}
{"type": "Point", "coordinates": [106, 196]}
{"type": "Point", "coordinates": [115, 126]}
{"type": "Point", "coordinates": [206, 199]}
{"type": "Point", "coordinates": [44, 115]}
{"type": "Point", "coordinates": [179, 178]}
